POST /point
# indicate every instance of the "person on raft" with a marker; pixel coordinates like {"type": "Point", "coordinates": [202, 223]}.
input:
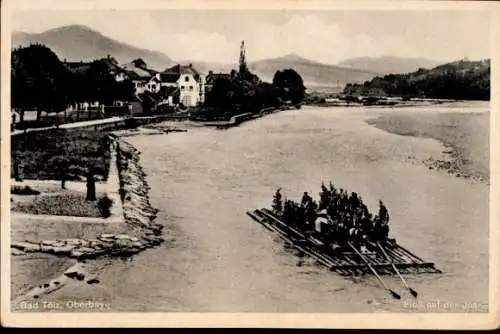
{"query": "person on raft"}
{"type": "Point", "coordinates": [353, 222]}
{"type": "Point", "coordinates": [340, 217]}
{"type": "Point", "coordinates": [306, 200]}
{"type": "Point", "coordinates": [309, 209]}
{"type": "Point", "coordinates": [322, 222]}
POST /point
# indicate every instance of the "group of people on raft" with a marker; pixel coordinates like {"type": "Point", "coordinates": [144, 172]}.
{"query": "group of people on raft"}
{"type": "Point", "coordinates": [340, 217]}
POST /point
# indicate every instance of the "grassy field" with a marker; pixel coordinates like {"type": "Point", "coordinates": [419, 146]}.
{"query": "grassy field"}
{"type": "Point", "coordinates": [68, 203]}
{"type": "Point", "coordinates": [43, 154]}
{"type": "Point", "coordinates": [467, 134]}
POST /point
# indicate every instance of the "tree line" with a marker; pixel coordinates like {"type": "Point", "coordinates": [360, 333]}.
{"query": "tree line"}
{"type": "Point", "coordinates": [242, 91]}
{"type": "Point", "coordinates": [41, 81]}
{"type": "Point", "coordinates": [461, 80]}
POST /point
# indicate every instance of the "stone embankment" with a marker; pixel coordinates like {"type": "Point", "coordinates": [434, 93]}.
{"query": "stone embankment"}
{"type": "Point", "coordinates": [137, 210]}
{"type": "Point", "coordinates": [138, 214]}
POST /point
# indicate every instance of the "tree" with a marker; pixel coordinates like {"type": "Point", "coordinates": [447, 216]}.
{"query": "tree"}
{"type": "Point", "coordinates": [233, 74]}
{"type": "Point", "coordinates": [17, 175]}
{"type": "Point", "coordinates": [458, 80]}
{"type": "Point", "coordinates": [222, 96]}
{"type": "Point", "coordinates": [139, 62]}
{"type": "Point", "coordinates": [268, 95]}
{"type": "Point", "coordinates": [149, 103]}
{"type": "Point", "coordinates": [63, 172]}
{"type": "Point", "coordinates": [244, 92]}
{"type": "Point", "coordinates": [91, 196]}
{"type": "Point", "coordinates": [125, 90]}
{"type": "Point", "coordinates": [39, 79]}
{"type": "Point", "coordinates": [104, 87]}
{"type": "Point", "coordinates": [291, 85]}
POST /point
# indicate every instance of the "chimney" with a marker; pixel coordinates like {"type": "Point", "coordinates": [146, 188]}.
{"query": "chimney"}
{"type": "Point", "coordinates": [190, 65]}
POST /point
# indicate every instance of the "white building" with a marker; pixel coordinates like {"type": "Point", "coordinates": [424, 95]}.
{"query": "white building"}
{"type": "Point", "coordinates": [186, 83]}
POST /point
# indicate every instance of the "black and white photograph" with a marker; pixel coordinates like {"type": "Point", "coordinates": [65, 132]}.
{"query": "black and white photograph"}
{"type": "Point", "coordinates": [317, 161]}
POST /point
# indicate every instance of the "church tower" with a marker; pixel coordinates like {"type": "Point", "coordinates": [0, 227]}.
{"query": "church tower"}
{"type": "Point", "coordinates": [243, 61]}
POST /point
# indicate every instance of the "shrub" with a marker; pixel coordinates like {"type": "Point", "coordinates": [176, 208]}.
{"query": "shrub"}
{"type": "Point", "coordinates": [65, 204]}
{"type": "Point", "coordinates": [26, 190]}
{"type": "Point", "coordinates": [104, 203]}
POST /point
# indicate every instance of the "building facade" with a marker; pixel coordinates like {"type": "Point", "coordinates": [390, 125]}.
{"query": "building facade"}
{"type": "Point", "coordinates": [188, 84]}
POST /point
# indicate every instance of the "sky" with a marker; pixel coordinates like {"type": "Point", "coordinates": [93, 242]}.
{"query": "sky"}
{"type": "Point", "coordinates": [324, 36]}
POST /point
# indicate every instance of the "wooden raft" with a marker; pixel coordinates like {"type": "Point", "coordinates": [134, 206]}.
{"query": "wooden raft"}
{"type": "Point", "coordinates": [344, 263]}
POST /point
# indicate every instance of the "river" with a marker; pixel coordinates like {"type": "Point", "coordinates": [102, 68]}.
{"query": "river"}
{"type": "Point", "coordinates": [220, 260]}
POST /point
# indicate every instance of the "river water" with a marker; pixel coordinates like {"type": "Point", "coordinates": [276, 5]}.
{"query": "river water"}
{"type": "Point", "coordinates": [218, 259]}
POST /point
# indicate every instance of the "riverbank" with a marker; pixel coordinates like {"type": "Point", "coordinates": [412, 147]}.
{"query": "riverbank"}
{"type": "Point", "coordinates": [464, 135]}
{"type": "Point", "coordinates": [389, 103]}
{"type": "Point", "coordinates": [243, 117]}
{"type": "Point", "coordinates": [52, 245]}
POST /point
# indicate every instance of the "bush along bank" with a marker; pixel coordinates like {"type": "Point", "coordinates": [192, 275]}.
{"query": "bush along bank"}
{"type": "Point", "coordinates": [138, 215]}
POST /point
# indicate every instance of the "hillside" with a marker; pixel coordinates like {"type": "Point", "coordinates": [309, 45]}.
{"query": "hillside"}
{"type": "Point", "coordinates": [313, 73]}
{"type": "Point", "coordinates": [77, 42]}
{"type": "Point", "coordinates": [389, 64]}
{"type": "Point", "coordinates": [204, 67]}
{"type": "Point", "coordinates": [461, 80]}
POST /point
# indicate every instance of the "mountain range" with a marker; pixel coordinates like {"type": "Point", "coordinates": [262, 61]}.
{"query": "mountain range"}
{"type": "Point", "coordinates": [78, 42]}
{"type": "Point", "coordinates": [389, 64]}
{"type": "Point", "coordinates": [313, 73]}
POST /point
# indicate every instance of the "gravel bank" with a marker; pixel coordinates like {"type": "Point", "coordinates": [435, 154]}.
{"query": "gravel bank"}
{"type": "Point", "coordinates": [464, 135]}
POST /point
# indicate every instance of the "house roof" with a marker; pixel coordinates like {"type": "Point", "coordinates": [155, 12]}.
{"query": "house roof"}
{"type": "Point", "coordinates": [137, 73]}
{"type": "Point", "coordinates": [155, 79]}
{"type": "Point", "coordinates": [150, 70]}
{"type": "Point", "coordinates": [134, 72]}
{"type": "Point", "coordinates": [82, 66]}
{"type": "Point", "coordinates": [211, 77]}
{"type": "Point", "coordinates": [173, 73]}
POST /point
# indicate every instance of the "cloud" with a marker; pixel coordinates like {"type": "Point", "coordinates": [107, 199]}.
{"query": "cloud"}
{"type": "Point", "coordinates": [201, 45]}
{"type": "Point", "coordinates": [311, 37]}
{"type": "Point", "coordinates": [325, 37]}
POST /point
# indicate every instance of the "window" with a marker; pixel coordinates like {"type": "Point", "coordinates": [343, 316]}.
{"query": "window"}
{"type": "Point", "coordinates": [182, 87]}
{"type": "Point", "coordinates": [186, 100]}
{"type": "Point", "coordinates": [190, 87]}
{"type": "Point", "coordinates": [186, 78]}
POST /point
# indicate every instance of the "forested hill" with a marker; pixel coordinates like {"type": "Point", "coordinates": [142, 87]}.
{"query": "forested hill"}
{"type": "Point", "coordinates": [460, 80]}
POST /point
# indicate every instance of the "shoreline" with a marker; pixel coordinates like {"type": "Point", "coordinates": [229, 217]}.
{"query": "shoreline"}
{"type": "Point", "coordinates": [243, 117]}
{"type": "Point", "coordinates": [128, 123]}
{"type": "Point", "coordinates": [384, 104]}
{"type": "Point", "coordinates": [459, 157]}
{"type": "Point", "coordinates": [383, 101]}
{"type": "Point", "coordinates": [137, 233]}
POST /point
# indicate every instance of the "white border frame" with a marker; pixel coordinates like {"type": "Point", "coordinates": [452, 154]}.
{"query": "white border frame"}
{"type": "Point", "coordinates": [252, 320]}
